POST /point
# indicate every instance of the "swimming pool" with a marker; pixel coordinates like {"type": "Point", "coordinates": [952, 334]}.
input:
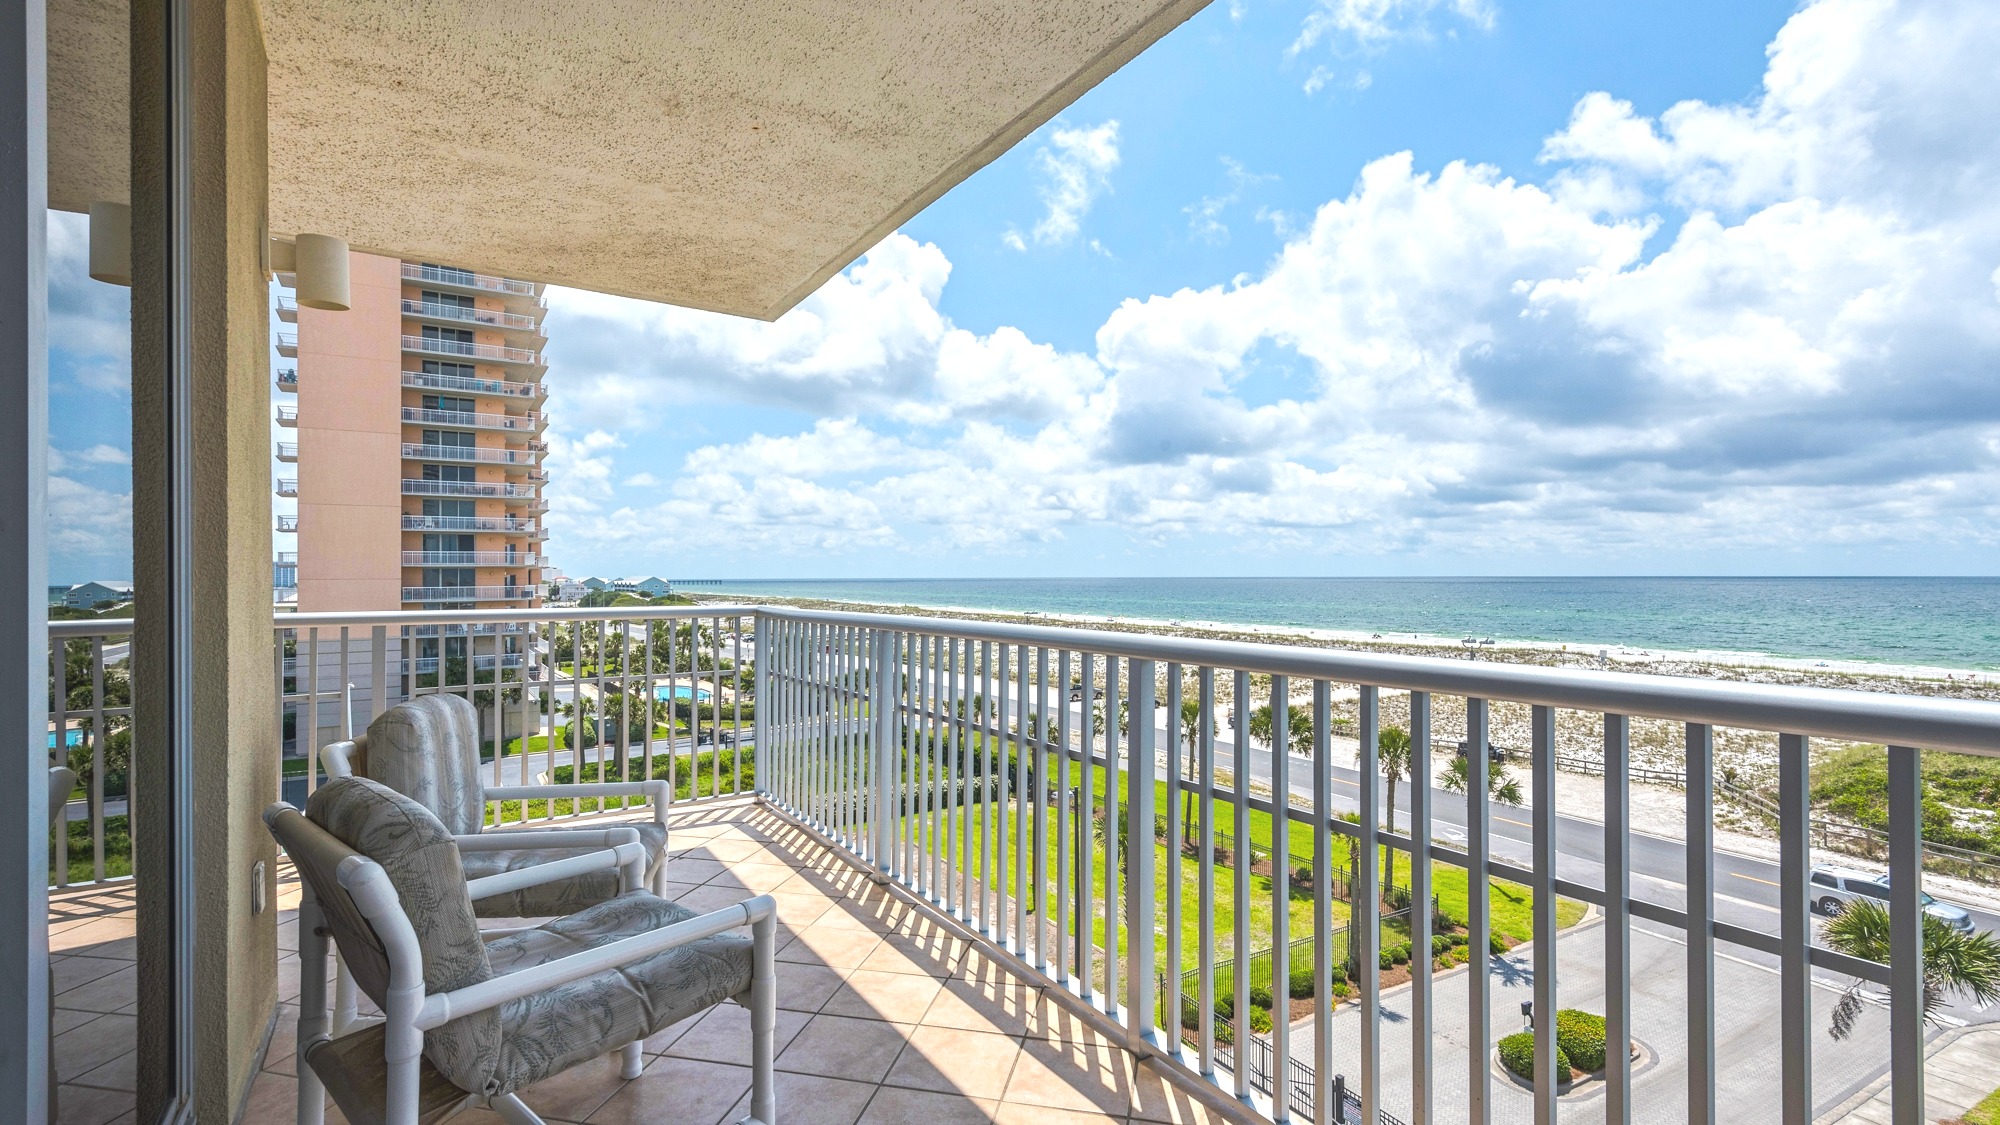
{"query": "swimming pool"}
{"type": "Point", "coordinates": [75, 738]}
{"type": "Point", "coordinates": [680, 691]}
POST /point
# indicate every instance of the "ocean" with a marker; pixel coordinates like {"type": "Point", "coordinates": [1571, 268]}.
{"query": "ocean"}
{"type": "Point", "coordinates": [1930, 622]}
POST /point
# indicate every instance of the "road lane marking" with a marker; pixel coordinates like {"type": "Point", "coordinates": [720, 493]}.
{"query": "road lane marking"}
{"type": "Point", "coordinates": [1752, 878]}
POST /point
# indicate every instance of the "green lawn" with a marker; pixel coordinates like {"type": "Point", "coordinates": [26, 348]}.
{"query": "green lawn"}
{"type": "Point", "coordinates": [1987, 1112]}
{"type": "Point", "coordinates": [117, 850]}
{"type": "Point", "coordinates": [691, 779]}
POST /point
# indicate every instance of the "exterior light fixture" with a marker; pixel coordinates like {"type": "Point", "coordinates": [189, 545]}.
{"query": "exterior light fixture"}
{"type": "Point", "coordinates": [318, 265]}
{"type": "Point", "coordinates": [111, 243]}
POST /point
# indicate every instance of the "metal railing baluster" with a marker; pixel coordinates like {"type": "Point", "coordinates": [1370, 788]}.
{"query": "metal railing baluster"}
{"type": "Point", "coordinates": [1045, 715]}
{"type": "Point", "coordinates": [1139, 855]}
{"type": "Point", "coordinates": [1239, 784]}
{"type": "Point", "coordinates": [1542, 778]}
{"type": "Point", "coordinates": [1478, 919]}
{"type": "Point", "coordinates": [1205, 875]}
{"type": "Point", "coordinates": [1422, 984]}
{"type": "Point", "coordinates": [1795, 928]}
{"type": "Point", "coordinates": [1003, 796]}
{"type": "Point", "coordinates": [1700, 924]}
{"type": "Point", "coordinates": [1617, 919]}
{"type": "Point", "coordinates": [1323, 952]}
{"type": "Point", "coordinates": [1365, 912]}
{"type": "Point", "coordinates": [1170, 1003]}
{"type": "Point", "coordinates": [1281, 898]}
{"type": "Point", "coordinates": [1086, 815]}
{"type": "Point", "coordinates": [1906, 936]}
{"type": "Point", "coordinates": [1065, 728]}
{"type": "Point", "coordinates": [1112, 866]}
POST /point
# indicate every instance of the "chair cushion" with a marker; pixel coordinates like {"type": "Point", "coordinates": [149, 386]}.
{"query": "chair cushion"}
{"type": "Point", "coordinates": [428, 750]}
{"type": "Point", "coordinates": [421, 861]}
{"type": "Point", "coordinates": [549, 1032]}
{"type": "Point", "coordinates": [565, 896]}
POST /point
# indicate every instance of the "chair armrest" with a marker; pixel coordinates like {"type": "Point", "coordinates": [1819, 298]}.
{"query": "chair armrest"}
{"type": "Point", "coordinates": [568, 868]}
{"type": "Point", "coordinates": [498, 838]}
{"type": "Point", "coordinates": [334, 757]}
{"type": "Point", "coordinates": [442, 1007]}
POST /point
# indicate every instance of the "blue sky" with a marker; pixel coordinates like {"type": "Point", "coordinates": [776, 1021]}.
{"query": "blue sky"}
{"type": "Point", "coordinates": [1334, 287]}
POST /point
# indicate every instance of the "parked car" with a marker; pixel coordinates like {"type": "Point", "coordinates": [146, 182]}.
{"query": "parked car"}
{"type": "Point", "coordinates": [1493, 753]}
{"type": "Point", "coordinates": [1834, 887]}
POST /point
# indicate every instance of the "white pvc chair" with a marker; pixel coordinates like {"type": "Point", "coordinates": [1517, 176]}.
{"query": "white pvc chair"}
{"type": "Point", "coordinates": [573, 989]}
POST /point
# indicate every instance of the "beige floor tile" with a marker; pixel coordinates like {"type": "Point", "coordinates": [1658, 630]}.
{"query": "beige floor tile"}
{"type": "Point", "coordinates": [894, 1106]}
{"type": "Point", "coordinates": [576, 1093]}
{"type": "Point", "coordinates": [713, 896]}
{"type": "Point", "coordinates": [804, 987]}
{"type": "Point", "coordinates": [975, 1064]}
{"type": "Point", "coordinates": [65, 1019]}
{"type": "Point", "coordinates": [107, 993]}
{"type": "Point", "coordinates": [92, 1045]}
{"type": "Point", "coordinates": [896, 997]}
{"type": "Point", "coordinates": [839, 1047]}
{"type": "Point", "coordinates": [993, 1003]}
{"type": "Point", "coordinates": [1079, 1075]}
{"type": "Point", "coordinates": [723, 1035]}
{"type": "Point", "coordinates": [676, 1090]}
{"type": "Point", "coordinates": [805, 1099]}
{"type": "Point", "coordinates": [121, 1073]}
{"type": "Point", "coordinates": [75, 972]}
{"type": "Point", "coordinates": [930, 951]}
{"type": "Point", "coordinates": [831, 945]}
{"type": "Point", "coordinates": [1158, 1097]}
{"type": "Point", "coordinates": [1024, 1114]}
{"type": "Point", "coordinates": [89, 1105]}
{"type": "Point", "coordinates": [695, 870]}
{"type": "Point", "coordinates": [754, 878]}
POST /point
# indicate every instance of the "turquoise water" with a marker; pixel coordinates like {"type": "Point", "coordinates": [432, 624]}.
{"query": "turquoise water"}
{"type": "Point", "coordinates": [1938, 622]}
{"type": "Point", "coordinates": [679, 691]}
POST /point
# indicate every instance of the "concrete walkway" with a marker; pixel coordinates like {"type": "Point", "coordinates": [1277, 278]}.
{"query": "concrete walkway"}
{"type": "Point", "coordinates": [1962, 1067]}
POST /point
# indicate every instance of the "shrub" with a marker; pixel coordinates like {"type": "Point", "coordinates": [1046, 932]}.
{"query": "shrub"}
{"type": "Point", "coordinates": [1260, 1020]}
{"type": "Point", "coordinates": [1340, 990]}
{"type": "Point", "coordinates": [1439, 943]}
{"type": "Point", "coordinates": [1301, 984]}
{"type": "Point", "coordinates": [1400, 953]}
{"type": "Point", "coordinates": [1260, 996]}
{"type": "Point", "coordinates": [1383, 958]}
{"type": "Point", "coordinates": [1580, 1035]}
{"type": "Point", "coordinates": [1496, 944]}
{"type": "Point", "coordinates": [1517, 1054]}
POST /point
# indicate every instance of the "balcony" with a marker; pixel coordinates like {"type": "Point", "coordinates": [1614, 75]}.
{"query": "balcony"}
{"type": "Point", "coordinates": [485, 455]}
{"type": "Point", "coordinates": [469, 593]}
{"type": "Point", "coordinates": [512, 423]}
{"type": "Point", "coordinates": [486, 353]}
{"type": "Point", "coordinates": [478, 386]}
{"type": "Point", "coordinates": [496, 489]}
{"type": "Point", "coordinates": [467, 280]}
{"type": "Point", "coordinates": [288, 344]}
{"type": "Point", "coordinates": [470, 558]}
{"type": "Point", "coordinates": [288, 486]}
{"type": "Point", "coordinates": [288, 309]}
{"type": "Point", "coordinates": [288, 379]}
{"type": "Point", "coordinates": [288, 451]}
{"type": "Point", "coordinates": [922, 796]}
{"type": "Point", "coordinates": [507, 525]}
{"type": "Point", "coordinates": [288, 524]}
{"type": "Point", "coordinates": [288, 417]}
{"type": "Point", "coordinates": [484, 318]}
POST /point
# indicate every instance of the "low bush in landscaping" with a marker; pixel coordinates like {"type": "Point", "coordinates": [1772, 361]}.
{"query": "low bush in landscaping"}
{"type": "Point", "coordinates": [1517, 1054]}
{"type": "Point", "coordinates": [1580, 1035]}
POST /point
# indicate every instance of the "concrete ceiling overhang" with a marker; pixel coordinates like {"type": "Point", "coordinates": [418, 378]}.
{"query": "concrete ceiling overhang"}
{"type": "Point", "coordinates": [725, 155]}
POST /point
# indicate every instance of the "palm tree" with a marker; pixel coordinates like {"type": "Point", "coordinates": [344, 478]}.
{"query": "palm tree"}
{"type": "Point", "coordinates": [1394, 750]}
{"type": "Point", "coordinates": [1956, 962]}
{"type": "Point", "coordinates": [1191, 733]}
{"type": "Point", "coordinates": [1500, 786]}
{"type": "Point", "coordinates": [1299, 738]}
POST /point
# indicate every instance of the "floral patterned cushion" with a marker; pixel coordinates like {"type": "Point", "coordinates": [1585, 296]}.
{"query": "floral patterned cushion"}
{"type": "Point", "coordinates": [551, 1031]}
{"type": "Point", "coordinates": [421, 861]}
{"type": "Point", "coordinates": [428, 750]}
{"type": "Point", "coordinates": [565, 896]}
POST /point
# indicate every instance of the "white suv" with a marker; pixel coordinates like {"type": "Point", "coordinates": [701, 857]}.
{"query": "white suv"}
{"type": "Point", "coordinates": [1834, 887]}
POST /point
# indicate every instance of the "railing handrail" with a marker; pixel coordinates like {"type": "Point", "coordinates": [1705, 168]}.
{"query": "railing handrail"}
{"type": "Point", "coordinates": [418, 414]}
{"type": "Point", "coordinates": [491, 318]}
{"type": "Point", "coordinates": [499, 353]}
{"type": "Point", "coordinates": [467, 279]}
{"type": "Point", "coordinates": [1860, 716]}
{"type": "Point", "coordinates": [469, 558]}
{"type": "Point", "coordinates": [468, 593]}
{"type": "Point", "coordinates": [326, 619]}
{"type": "Point", "coordinates": [497, 455]}
{"type": "Point", "coordinates": [100, 627]}
{"type": "Point", "coordinates": [502, 524]}
{"type": "Point", "coordinates": [473, 383]}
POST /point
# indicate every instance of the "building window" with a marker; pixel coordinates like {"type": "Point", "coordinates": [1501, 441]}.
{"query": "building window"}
{"type": "Point", "coordinates": [449, 472]}
{"type": "Point", "coordinates": [449, 275]}
{"type": "Point", "coordinates": [456, 439]}
{"type": "Point", "coordinates": [462, 508]}
{"type": "Point", "coordinates": [446, 402]}
{"type": "Point", "coordinates": [451, 370]}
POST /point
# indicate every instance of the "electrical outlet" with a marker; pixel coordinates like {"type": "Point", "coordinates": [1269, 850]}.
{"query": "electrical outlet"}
{"type": "Point", "coordinates": [257, 888]}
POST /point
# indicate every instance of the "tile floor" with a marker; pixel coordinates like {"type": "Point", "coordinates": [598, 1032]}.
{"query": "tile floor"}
{"type": "Point", "coordinates": [888, 1013]}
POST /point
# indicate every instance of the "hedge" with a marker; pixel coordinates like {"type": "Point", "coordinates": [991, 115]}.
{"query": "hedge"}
{"type": "Point", "coordinates": [1517, 1054]}
{"type": "Point", "coordinates": [1580, 1035]}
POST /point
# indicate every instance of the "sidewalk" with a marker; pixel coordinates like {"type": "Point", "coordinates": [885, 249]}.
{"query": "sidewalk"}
{"type": "Point", "coordinates": [1962, 1067]}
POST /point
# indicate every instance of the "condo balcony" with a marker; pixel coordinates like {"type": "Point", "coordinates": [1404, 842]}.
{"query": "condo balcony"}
{"type": "Point", "coordinates": [470, 558]}
{"type": "Point", "coordinates": [486, 455]}
{"type": "Point", "coordinates": [288, 344]}
{"type": "Point", "coordinates": [288, 486]}
{"type": "Point", "coordinates": [514, 424]}
{"type": "Point", "coordinates": [470, 593]}
{"type": "Point", "coordinates": [485, 353]}
{"type": "Point", "coordinates": [505, 525]}
{"type": "Point", "coordinates": [484, 318]}
{"type": "Point", "coordinates": [467, 280]}
{"type": "Point", "coordinates": [288, 451]}
{"type": "Point", "coordinates": [506, 387]}
{"type": "Point", "coordinates": [288, 417]}
{"type": "Point", "coordinates": [288, 309]}
{"type": "Point", "coordinates": [288, 523]}
{"type": "Point", "coordinates": [499, 489]}
{"type": "Point", "coordinates": [288, 379]}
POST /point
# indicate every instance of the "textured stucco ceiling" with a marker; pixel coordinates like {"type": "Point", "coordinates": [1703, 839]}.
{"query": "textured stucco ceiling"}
{"type": "Point", "coordinates": [728, 155]}
{"type": "Point", "coordinates": [724, 155]}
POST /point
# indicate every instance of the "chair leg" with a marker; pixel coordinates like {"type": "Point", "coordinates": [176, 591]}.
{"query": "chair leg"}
{"type": "Point", "coordinates": [514, 1111]}
{"type": "Point", "coordinates": [346, 1002]}
{"type": "Point", "coordinates": [764, 1022]}
{"type": "Point", "coordinates": [630, 1059]}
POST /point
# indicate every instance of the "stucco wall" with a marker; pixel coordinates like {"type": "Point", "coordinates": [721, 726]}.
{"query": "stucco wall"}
{"type": "Point", "coordinates": [235, 767]}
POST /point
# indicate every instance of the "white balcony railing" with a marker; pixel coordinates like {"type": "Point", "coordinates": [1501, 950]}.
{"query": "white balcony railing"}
{"type": "Point", "coordinates": [468, 488]}
{"type": "Point", "coordinates": [516, 423]}
{"type": "Point", "coordinates": [288, 523]}
{"type": "Point", "coordinates": [484, 318]}
{"type": "Point", "coordinates": [459, 349]}
{"type": "Point", "coordinates": [507, 525]}
{"type": "Point", "coordinates": [288, 344]}
{"type": "Point", "coordinates": [466, 279]}
{"type": "Point", "coordinates": [288, 309]}
{"type": "Point", "coordinates": [469, 593]}
{"type": "Point", "coordinates": [288, 451]}
{"type": "Point", "coordinates": [966, 762]}
{"type": "Point", "coordinates": [288, 486]}
{"type": "Point", "coordinates": [489, 455]}
{"type": "Point", "coordinates": [470, 558]}
{"type": "Point", "coordinates": [478, 386]}
{"type": "Point", "coordinates": [288, 379]}
{"type": "Point", "coordinates": [288, 416]}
